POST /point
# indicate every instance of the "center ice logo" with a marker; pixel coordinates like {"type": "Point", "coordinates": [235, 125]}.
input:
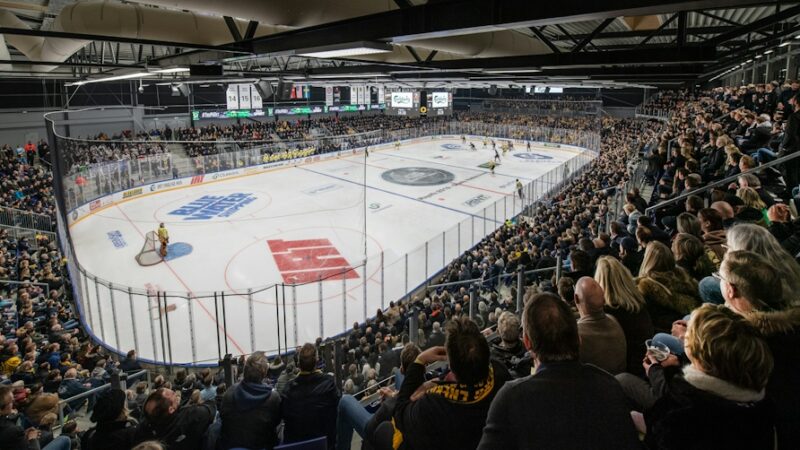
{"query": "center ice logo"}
{"type": "Point", "coordinates": [451, 147]}
{"type": "Point", "coordinates": [212, 206]}
{"type": "Point", "coordinates": [532, 156]}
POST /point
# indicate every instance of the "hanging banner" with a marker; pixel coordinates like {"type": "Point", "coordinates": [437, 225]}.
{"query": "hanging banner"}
{"type": "Point", "coordinates": [232, 96]}
{"type": "Point", "coordinates": [353, 95]}
{"type": "Point", "coordinates": [244, 96]}
{"type": "Point", "coordinates": [328, 95]}
{"type": "Point", "coordinates": [256, 102]}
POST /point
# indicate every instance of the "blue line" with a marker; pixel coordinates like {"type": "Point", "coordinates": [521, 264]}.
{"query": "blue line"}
{"type": "Point", "coordinates": [399, 195]}
{"type": "Point", "coordinates": [455, 167]}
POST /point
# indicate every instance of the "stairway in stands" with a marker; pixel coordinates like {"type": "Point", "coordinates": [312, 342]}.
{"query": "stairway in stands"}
{"type": "Point", "coordinates": [181, 159]}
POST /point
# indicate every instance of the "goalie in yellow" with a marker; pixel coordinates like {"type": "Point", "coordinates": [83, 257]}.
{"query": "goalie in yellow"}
{"type": "Point", "coordinates": [163, 237]}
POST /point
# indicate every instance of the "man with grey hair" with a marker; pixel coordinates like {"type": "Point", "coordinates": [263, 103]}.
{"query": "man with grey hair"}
{"type": "Point", "coordinates": [509, 350]}
{"type": "Point", "coordinates": [436, 337]}
{"type": "Point", "coordinates": [602, 339]}
{"type": "Point", "coordinates": [251, 410]}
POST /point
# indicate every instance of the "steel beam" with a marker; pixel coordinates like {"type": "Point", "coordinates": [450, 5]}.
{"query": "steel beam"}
{"type": "Point", "coordinates": [456, 17]}
{"type": "Point", "coordinates": [664, 56]}
{"type": "Point", "coordinates": [545, 40]}
{"type": "Point", "coordinates": [756, 25]}
{"type": "Point", "coordinates": [593, 34]}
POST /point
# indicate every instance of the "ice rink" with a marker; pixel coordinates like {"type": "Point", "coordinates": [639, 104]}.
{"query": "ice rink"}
{"type": "Point", "coordinates": [425, 203]}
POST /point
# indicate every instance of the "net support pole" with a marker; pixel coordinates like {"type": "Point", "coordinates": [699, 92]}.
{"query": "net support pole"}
{"type": "Point", "coordinates": [444, 249]}
{"type": "Point", "coordinates": [426, 260]}
{"type": "Point", "coordinates": [192, 340]}
{"type": "Point", "coordinates": [169, 334]}
{"type": "Point", "coordinates": [520, 289]}
{"type": "Point", "coordinates": [473, 295]}
{"type": "Point", "coordinates": [152, 326]}
{"type": "Point", "coordinates": [251, 320]}
{"type": "Point", "coordinates": [114, 314]}
{"type": "Point", "coordinates": [278, 319]}
{"type": "Point", "coordinates": [344, 300]}
{"type": "Point", "coordinates": [133, 321]}
{"type": "Point", "coordinates": [87, 298]}
{"type": "Point", "coordinates": [364, 277]}
{"type": "Point", "coordinates": [294, 314]}
{"type": "Point", "coordinates": [216, 319]}
{"type": "Point", "coordinates": [382, 286]}
{"type": "Point", "coordinates": [99, 309]}
{"type": "Point", "coordinates": [406, 274]}
{"type": "Point", "coordinates": [224, 322]}
{"type": "Point", "coordinates": [321, 313]}
{"type": "Point", "coordinates": [285, 328]}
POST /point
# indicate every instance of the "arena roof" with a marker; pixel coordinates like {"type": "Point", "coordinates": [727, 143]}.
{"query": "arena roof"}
{"type": "Point", "coordinates": [458, 43]}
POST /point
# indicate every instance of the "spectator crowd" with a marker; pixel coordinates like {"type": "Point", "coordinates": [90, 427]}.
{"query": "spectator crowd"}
{"type": "Point", "coordinates": [672, 325]}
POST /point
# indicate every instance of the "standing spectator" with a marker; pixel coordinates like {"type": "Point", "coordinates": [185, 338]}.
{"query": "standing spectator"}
{"type": "Point", "coordinates": [450, 414]}
{"type": "Point", "coordinates": [565, 404]}
{"type": "Point", "coordinates": [718, 402]}
{"type": "Point", "coordinates": [30, 152]}
{"type": "Point", "coordinates": [250, 410]}
{"type": "Point", "coordinates": [601, 336]}
{"type": "Point", "coordinates": [178, 427]}
{"type": "Point", "coordinates": [309, 404]}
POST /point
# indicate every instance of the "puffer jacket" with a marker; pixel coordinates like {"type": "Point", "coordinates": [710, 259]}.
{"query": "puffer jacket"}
{"type": "Point", "coordinates": [669, 296]}
{"type": "Point", "coordinates": [781, 329]}
{"type": "Point", "coordinates": [714, 241]}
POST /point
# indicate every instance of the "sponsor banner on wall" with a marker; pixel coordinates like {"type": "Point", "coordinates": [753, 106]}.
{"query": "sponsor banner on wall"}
{"type": "Point", "coordinates": [132, 193]}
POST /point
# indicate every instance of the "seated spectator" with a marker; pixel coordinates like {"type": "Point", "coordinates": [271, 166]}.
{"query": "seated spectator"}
{"type": "Point", "coordinates": [309, 404]}
{"type": "Point", "coordinates": [752, 289]}
{"type": "Point", "coordinates": [565, 404]}
{"type": "Point", "coordinates": [114, 430]}
{"type": "Point", "coordinates": [630, 255]}
{"type": "Point", "coordinates": [12, 436]}
{"type": "Point", "coordinates": [758, 240]}
{"type": "Point", "coordinates": [718, 402]}
{"type": "Point", "coordinates": [509, 350]}
{"type": "Point", "coordinates": [625, 303]}
{"type": "Point", "coordinates": [714, 235]}
{"type": "Point", "coordinates": [669, 292]}
{"type": "Point", "coordinates": [179, 427]}
{"type": "Point", "coordinates": [602, 339]}
{"type": "Point", "coordinates": [250, 411]}
{"type": "Point", "coordinates": [450, 413]}
{"type": "Point", "coordinates": [785, 230]}
{"type": "Point", "coordinates": [690, 254]}
{"type": "Point", "coordinates": [353, 416]}
{"type": "Point", "coordinates": [70, 387]}
{"type": "Point", "coordinates": [130, 363]}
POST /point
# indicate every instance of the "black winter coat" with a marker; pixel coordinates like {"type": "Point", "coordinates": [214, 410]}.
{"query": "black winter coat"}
{"type": "Point", "coordinates": [308, 407]}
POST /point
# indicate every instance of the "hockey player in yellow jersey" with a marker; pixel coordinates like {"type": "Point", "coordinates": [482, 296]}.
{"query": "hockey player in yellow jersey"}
{"type": "Point", "coordinates": [163, 237]}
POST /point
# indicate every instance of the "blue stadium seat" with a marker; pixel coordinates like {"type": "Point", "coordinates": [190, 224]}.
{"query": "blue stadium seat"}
{"type": "Point", "coordinates": [320, 443]}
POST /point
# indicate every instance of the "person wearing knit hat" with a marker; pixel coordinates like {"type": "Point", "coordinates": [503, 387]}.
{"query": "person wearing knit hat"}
{"type": "Point", "coordinates": [114, 430]}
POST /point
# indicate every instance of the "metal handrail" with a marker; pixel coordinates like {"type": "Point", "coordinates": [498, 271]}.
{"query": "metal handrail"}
{"type": "Point", "coordinates": [93, 391]}
{"type": "Point", "coordinates": [723, 181]}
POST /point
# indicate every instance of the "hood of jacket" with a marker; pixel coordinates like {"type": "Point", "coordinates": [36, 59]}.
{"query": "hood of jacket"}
{"type": "Point", "coordinates": [771, 323]}
{"type": "Point", "coordinates": [248, 395]}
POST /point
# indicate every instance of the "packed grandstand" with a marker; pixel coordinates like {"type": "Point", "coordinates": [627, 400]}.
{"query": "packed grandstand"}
{"type": "Point", "coordinates": [655, 274]}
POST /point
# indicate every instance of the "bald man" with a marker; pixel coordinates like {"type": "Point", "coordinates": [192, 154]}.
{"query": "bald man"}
{"type": "Point", "coordinates": [726, 211]}
{"type": "Point", "coordinates": [602, 339]}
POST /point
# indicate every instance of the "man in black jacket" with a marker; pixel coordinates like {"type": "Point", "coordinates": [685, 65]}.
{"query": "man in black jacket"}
{"type": "Point", "coordinates": [791, 144]}
{"type": "Point", "coordinates": [179, 427]}
{"type": "Point", "coordinates": [308, 405]}
{"type": "Point", "coordinates": [12, 436]}
{"type": "Point", "coordinates": [449, 414]}
{"type": "Point", "coordinates": [251, 410]}
{"type": "Point", "coordinates": [565, 404]}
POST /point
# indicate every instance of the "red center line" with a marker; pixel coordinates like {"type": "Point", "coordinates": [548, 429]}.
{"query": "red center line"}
{"type": "Point", "coordinates": [484, 189]}
{"type": "Point", "coordinates": [208, 313]}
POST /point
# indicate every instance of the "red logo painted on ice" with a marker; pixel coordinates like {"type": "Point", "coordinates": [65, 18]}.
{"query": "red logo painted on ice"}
{"type": "Point", "coordinates": [309, 260]}
{"type": "Point", "coordinates": [197, 179]}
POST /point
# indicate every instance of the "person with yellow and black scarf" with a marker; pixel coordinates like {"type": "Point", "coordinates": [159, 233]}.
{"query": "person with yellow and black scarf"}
{"type": "Point", "coordinates": [449, 413]}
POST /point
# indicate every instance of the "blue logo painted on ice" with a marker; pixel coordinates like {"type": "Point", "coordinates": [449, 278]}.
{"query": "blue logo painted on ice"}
{"type": "Point", "coordinates": [532, 156]}
{"type": "Point", "coordinates": [116, 238]}
{"type": "Point", "coordinates": [212, 206]}
{"type": "Point", "coordinates": [451, 146]}
{"type": "Point", "coordinates": [177, 250]}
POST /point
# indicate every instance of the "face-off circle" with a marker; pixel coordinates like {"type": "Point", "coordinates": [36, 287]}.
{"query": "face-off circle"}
{"type": "Point", "coordinates": [418, 176]}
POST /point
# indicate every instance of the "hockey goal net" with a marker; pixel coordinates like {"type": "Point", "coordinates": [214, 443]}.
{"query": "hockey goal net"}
{"type": "Point", "coordinates": [150, 253]}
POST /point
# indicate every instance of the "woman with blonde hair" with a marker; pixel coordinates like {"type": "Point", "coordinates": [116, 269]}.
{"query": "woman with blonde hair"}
{"type": "Point", "coordinates": [751, 199]}
{"type": "Point", "coordinates": [689, 223]}
{"type": "Point", "coordinates": [718, 401]}
{"type": "Point", "coordinates": [669, 291]}
{"type": "Point", "coordinates": [624, 301]}
{"type": "Point", "coordinates": [759, 240]}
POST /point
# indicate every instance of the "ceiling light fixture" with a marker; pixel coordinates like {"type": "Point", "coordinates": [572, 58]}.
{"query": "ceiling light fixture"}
{"type": "Point", "coordinates": [784, 44]}
{"type": "Point", "coordinates": [129, 76]}
{"type": "Point", "coordinates": [346, 50]}
{"type": "Point", "coordinates": [768, 52]}
{"type": "Point", "coordinates": [512, 70]}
